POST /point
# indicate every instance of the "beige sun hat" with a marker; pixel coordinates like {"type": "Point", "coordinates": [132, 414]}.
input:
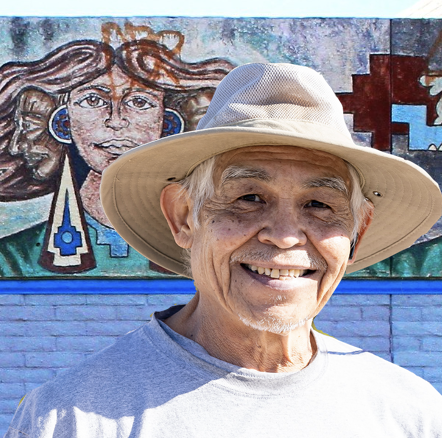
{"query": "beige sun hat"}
{"type": "Point", "coordinates": [268, 104]}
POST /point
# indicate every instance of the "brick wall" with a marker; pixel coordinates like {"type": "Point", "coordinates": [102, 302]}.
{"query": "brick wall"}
{"type": "Point", "coordinates": [404, 329]}
{"type": "Point", "coordinates": [42, 334]}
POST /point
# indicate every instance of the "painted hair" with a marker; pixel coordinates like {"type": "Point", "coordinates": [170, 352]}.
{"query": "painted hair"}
{"type": "Point", "coordinates": [31, 91]}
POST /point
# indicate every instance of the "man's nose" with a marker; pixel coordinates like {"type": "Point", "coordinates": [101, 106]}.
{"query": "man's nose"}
{"type": "Point", "coordinates": [283, 229]}
{"type": "Point", "coordinates": [116, 121]}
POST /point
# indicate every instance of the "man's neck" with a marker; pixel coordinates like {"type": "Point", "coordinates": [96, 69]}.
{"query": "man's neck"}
{"type": "Point", "coordinates": [236, 343]}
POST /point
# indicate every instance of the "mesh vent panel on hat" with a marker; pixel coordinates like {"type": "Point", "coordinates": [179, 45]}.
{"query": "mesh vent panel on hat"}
{"type": "Point", "coordinates": [274, 91]}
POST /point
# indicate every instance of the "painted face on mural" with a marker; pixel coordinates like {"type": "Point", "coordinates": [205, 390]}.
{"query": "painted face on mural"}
{"type": "Point", "coordinates": [31, 140]}
{"type": "Point", "coordinates": [196, 107]}
{"type": "Point", "coordinates": [113, 114]}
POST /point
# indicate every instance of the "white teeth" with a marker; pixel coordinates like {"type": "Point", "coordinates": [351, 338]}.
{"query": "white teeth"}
{"type": "Point", "coordinates": [276, 273]}
{"type": "Point", "coordinates": [296, 272]}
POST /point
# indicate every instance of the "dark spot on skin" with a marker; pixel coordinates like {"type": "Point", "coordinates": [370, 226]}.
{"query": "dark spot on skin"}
{"type": "Point", "coordinates": [213, 221]}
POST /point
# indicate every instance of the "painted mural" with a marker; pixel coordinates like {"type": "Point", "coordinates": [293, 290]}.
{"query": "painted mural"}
{"type": "Point", "coordinates": [77, 93]}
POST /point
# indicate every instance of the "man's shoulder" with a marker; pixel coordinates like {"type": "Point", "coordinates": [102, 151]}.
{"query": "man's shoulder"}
{"type": "Point", "coordinates": [109, 372]}
{"type": "Point", "coordinates": [363, 368]}
{"type": "Point", "coordinates": [107, 383]}
{"type": "Point", "coordinates": [116, 363]}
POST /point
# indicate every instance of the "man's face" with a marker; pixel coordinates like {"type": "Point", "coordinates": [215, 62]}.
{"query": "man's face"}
{"type": "Point", "coordinates": [286, 211]}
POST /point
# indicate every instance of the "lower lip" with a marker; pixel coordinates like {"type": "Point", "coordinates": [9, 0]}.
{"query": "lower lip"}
{"type": "Point", "coordinates": [109, 155]}
{"type": "Point", "coordinates": [276, 283]}
{"type": "Point", "coordinates": [115, 149]}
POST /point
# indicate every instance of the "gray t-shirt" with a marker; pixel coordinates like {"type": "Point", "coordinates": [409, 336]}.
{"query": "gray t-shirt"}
{"type": "Point", "coordinates": [155, 383]}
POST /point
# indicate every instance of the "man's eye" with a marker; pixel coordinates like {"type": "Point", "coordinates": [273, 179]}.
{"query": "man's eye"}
{"type": "Point", "coordinates": [250, 198]}
{"type": "Point", "coordinates": [317, 204]}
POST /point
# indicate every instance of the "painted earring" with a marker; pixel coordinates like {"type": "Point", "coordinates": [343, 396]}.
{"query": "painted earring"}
{"type": "Point", "coordinates": [67, 247]}
{"type": "Point", "coordinates": [173, 122]}
{"type": "Point", "coordinates": [60, 125]}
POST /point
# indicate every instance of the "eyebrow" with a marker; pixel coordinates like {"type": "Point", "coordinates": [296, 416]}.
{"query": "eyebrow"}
{"type": "Point", "coordinates": [233, 173]}
{"type": "Point", "coordinates": [335, 183]}
{"type": "Point", "coordinates": [140, 90]}
{"type": "Point", "coordinates": [96, 87]}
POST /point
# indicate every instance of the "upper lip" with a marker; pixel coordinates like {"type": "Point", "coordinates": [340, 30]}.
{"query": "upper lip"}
{"type": "Point", "coordinates": [279, 266]}
{"type": "Point", "coordinates": [122, 142]}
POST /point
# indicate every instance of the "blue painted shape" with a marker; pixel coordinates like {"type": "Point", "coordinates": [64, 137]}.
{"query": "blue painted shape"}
{"type": "Point", "coordinates": [61, 125]}
{"type": "Point", "coordinates": [108, 286]}
{"type": "Point", "coordinates": [108, 236]}
{"type": "Point", "coordinates": [67, 239]}
{"type": "Point", "coordinates": [390, 287]}
{"type": "Point", "coordinates": [185, 286]}
{"type": "Point", "coordinates": [421, 135]}
{"type": "Point", "coordinates": [172, 123]}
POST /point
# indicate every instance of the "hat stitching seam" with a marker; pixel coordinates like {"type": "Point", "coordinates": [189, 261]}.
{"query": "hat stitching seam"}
{"type": "Point", "coordinates": [238, 124]}
{"type": "Point", "coordinates": [264, 143]}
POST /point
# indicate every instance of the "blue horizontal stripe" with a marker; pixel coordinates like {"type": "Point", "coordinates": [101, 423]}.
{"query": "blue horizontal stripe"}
{"type": "Point", "coordinates": [77, 286]}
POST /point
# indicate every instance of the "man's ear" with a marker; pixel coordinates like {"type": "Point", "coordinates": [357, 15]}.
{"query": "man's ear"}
{"type": "Point", "coordinates": [177, 209]}
{"type": "Point", "coordinates": [362, 230]}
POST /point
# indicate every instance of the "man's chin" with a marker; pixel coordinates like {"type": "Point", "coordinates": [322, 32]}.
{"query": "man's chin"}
{"type": "Point", "coordinates": [273, 323]}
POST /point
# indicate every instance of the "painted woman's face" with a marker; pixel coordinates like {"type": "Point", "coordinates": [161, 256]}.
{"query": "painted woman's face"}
{"type": "Point", "coordinates": [113, 114]}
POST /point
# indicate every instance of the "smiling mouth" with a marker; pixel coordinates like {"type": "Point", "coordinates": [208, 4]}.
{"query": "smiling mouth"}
{"type": "Point", "coordinates": [278, 274]}
{"type": "Point", "coordinates": [116, 147]}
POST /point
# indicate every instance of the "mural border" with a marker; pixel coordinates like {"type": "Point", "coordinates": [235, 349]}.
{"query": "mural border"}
{"type": "Point", "coordinates": [185, 287]}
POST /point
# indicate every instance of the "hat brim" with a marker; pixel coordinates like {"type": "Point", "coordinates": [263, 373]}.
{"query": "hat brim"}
{"type": "Point", "coordinates": [409, 204]}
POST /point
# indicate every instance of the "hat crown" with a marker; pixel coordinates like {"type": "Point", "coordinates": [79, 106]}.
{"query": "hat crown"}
{"type": "Point", "coordinates": [274, 92]}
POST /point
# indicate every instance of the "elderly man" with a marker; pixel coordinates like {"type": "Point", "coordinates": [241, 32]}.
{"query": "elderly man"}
{"type": "Point", "coordinates": [266, 206]}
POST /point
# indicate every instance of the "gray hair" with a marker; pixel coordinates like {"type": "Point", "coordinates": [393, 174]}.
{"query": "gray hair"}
{"type": "Point", "coordinates": [200, 187]}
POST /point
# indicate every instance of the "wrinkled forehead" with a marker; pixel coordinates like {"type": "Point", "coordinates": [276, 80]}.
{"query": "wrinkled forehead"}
{"type": "Point", "coordinates": [271, 158]}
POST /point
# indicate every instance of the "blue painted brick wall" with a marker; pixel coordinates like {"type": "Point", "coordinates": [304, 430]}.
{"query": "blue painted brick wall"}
{"type": "Point", "coordinates": [371, 329]}
{"type": "Point", "coordinates": [43, 334]}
